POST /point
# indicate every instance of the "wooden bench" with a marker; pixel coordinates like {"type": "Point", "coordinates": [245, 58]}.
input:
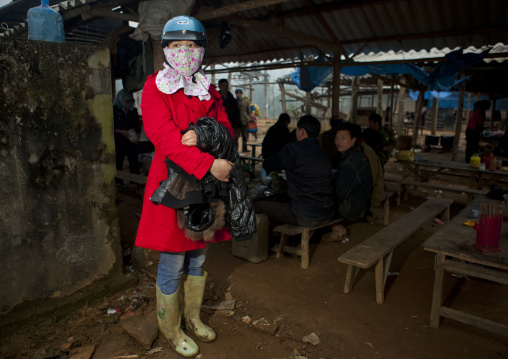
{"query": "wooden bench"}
{"type": "Point", "coordinates": [289, 230]}
{"type": "Point", "coordinates": [253, 160]}
{"type": "Point", "coordinates": [378, 249]}
{"type": "Point", "coordinates": [386, 207]}
{"type": "Point", "coordinates": [438, 186]}
{"type": "Point", "coordinates": [139, 180]}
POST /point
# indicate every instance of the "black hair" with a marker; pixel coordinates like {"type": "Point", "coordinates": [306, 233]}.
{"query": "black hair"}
{"type": "Point", "coordinates": [284, 117]}
{"type": "Point", "coordinates": [335, 122]}
{"type": "Point", "coordinates": [223, 80]}
{"type": "Point", "coordinates": [374, 117]}
{"type": "Point", "coordinates": [354, 130]}
{"type": "Point", "coordinates": [310, 124]}
{"type": "Point", "coordinates": [239, 90]}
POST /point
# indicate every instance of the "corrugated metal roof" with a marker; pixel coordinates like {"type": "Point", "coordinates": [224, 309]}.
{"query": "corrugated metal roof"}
{"type": "Point", "coordinates": [297, 29]}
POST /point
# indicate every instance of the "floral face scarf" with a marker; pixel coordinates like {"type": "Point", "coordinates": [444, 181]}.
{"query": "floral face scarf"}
{"type": "Point", "coordinates": [184, 71]}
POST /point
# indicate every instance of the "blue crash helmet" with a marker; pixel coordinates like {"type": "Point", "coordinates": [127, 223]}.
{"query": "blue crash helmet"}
{"type": "Point", "coordinates": [184, 28]}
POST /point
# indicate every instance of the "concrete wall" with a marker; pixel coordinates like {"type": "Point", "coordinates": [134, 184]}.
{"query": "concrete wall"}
{"type": "Point", "coordinates": [58, 219]}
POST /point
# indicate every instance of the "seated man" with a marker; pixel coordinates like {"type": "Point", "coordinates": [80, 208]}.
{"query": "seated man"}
{"type": "Point", "coordinates": [308, 179]}
{"type": "Point", "coordinates": [377, 138]}
{"type": "Point", "coordinates": [276, 137]}
{"type": "Point", "coordinates": [353, 180]}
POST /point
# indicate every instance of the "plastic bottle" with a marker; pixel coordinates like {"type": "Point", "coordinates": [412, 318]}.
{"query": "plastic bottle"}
{"type": "Point", "coordinates": [45, 24]}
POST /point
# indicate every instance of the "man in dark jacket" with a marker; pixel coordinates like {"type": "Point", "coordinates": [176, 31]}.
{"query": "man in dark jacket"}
{"type": "Point", "coordinates": [232, 109]}
{"type": "Point", "coordinates": [308, 179]}
{"type": "Point", "coordinates": [276, 137]}
{"type": "Point", "coordinates": [353, 181]}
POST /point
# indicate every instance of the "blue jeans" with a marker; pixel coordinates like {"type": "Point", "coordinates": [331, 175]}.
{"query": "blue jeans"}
{"type": "Point", "coordinates": [173, 264]}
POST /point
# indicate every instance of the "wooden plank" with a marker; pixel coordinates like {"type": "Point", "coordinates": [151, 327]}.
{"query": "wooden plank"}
{"type": "Point", "coordinates": [475, 321]}
{"type": "Point", "coordinates": [367, 253]}
{"type": "Point", "coordinates": [291, 230]}
{"type": "Point", "coordinates": [477, 271]}
{"type": "Point", "coordinates": [443, 187]}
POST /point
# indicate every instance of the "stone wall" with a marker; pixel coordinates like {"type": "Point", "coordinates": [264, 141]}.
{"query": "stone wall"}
{"type": "Point", "coordinates": [58, 219]}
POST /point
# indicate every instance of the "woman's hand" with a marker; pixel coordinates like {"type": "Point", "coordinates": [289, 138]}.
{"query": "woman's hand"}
{"type": "Point", "coordinates": [190, 138]}
{"type": "Point", "coordinates": [221, 169]}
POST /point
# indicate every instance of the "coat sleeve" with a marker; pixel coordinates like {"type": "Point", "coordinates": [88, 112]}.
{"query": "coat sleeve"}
{"type": "Point", "coordinates": [163, 132]}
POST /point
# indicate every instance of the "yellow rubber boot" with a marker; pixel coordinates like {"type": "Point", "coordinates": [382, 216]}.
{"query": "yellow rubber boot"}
{"type": "Point", "coordinates": [193, 290]}
{"type": "Point", "coordinates": [169, 318]}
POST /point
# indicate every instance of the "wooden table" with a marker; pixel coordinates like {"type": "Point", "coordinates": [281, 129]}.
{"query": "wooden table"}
{"type": "Point", "coordinates": [254, 145]}
{"type": "Point", "coordinates": [455, 253]}
{"type": "Point", "coordinates": [477, 178]}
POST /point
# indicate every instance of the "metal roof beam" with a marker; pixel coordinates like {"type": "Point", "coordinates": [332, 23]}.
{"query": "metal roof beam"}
{"type": "Point", "coordinates": [336, 6]}
{"type": "Point", "coordinates": [460, 32]}
{"type": "Point", "coordinates": [284, 32]}
{"type": "Point", "coordinates": [232, 9]}
{"type": "Point", "coordinates": [108, 14]}
{"type": "Point", "coordinates": [272, 66]}
{"type": "Point", "coordinates": [244, 57]}
{"type": "Point", "coordinates": [327, 27]}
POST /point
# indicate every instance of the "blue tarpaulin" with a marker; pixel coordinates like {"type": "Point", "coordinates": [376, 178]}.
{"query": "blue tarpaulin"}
{"type": "Point", "coordinates": [307, 78]}
{"type": "Point", "coordinates": [389, 69]}
{"type": "Point", "coordinates": [442, 78]}
{"type": "Point", "coordinates": [451, 99]}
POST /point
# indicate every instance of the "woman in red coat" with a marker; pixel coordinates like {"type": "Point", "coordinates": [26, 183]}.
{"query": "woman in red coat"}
{"type": "Point", "coordinates": [171, 100]}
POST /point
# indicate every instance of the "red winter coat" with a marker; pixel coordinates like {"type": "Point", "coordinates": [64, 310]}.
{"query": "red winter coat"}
{"type": "Point", "coordinates": [164, 117]}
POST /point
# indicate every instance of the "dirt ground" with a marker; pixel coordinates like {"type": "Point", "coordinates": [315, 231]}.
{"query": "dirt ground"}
{"type": "Point", "coordinates": [296, 302]}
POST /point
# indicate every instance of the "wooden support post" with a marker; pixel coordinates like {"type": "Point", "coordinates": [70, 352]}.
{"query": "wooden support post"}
{"type": "Point", "coordinates": [336, 84]}
{"type": "Point", "coordinates": [435, 109]}
{"type": "Point", "coordinates": [283, 97]}
{"type": "Point", "coordinates": [250, 88]}
{"type": "Point", "coordinates": [437, 296]}
{"type": "Point", "coordinates": [468, 105]}
{"type": "Point", "coordinates": [401, 109]}
{"type": "Point", "coordinates": [355, 89]}
{"type": "Point", "coordinates": [418, 114]}
{"type": "Point", "coordinates": [492, 115]}
{"type": "Point", "coordinates": [305, 248]}
{"type": "Point", "coordinates": [379, 104]}
{"type": "Point", "coordinates": [158, 56]}
{"type": "Point", "coordinates": [283, 239]}
{"type": "Point", "coordinates": [458, 123]}
{"type": "Point", "coordinates": [390, 113]}
{"type": "Point", "coordinates": [308, 100]}
{"type": "Point", "coordinates": [381, 272]}
{"type": "Point", "coordinates": [265, 78]}
{"type": "Point", "coordinates": [352, 272]}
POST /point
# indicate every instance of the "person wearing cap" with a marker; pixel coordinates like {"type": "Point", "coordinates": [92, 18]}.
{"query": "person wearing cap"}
{"type": "Point", "coordinates": [245, 114]}
{"type": "Point", "coordinates": [172, 99]}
